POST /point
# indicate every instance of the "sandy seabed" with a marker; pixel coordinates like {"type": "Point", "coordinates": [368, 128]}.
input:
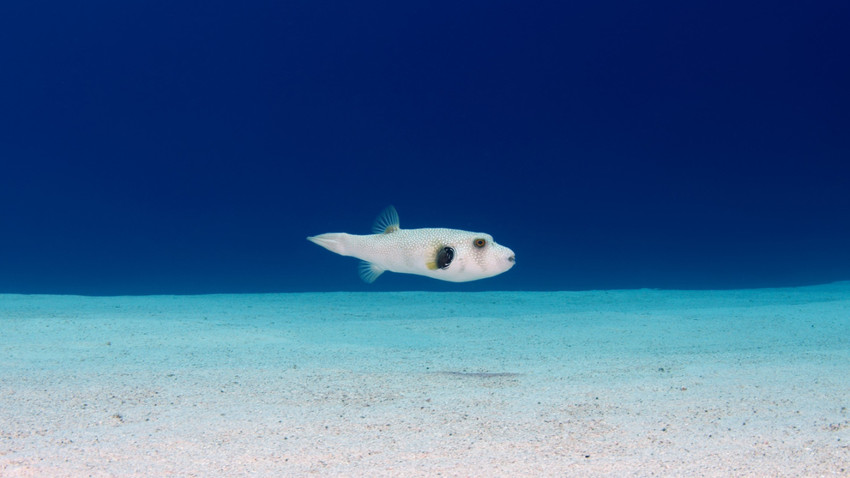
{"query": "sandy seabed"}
{"type": "Point", "coordinates": [604, 383]}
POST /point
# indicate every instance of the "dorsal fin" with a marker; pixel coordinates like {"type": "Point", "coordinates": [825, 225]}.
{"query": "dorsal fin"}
{"type": "Point", "coordinates": [386, 222]}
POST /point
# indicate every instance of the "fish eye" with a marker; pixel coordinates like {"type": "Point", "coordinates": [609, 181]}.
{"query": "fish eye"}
{"type": "Point", "coordinates": [479, 243]}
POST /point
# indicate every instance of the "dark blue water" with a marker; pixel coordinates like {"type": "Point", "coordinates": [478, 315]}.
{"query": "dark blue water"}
{"type": "Point", "coordinates": [189, 147]}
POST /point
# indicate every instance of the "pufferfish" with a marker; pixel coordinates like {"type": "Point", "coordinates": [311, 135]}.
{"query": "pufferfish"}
{"type": "Point", "coordinates": [446, 254]}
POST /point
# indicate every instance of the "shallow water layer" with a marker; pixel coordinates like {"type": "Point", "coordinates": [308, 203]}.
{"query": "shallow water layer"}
{"type": "Point", "coordinates": [744, 382]}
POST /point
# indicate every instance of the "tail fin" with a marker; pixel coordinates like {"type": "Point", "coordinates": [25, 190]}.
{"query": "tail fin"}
{"type": "Point", "coordinates": [332, 241]}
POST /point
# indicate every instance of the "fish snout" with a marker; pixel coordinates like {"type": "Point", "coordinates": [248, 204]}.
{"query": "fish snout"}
{"type": "Point", "coordinates": [510, 257]}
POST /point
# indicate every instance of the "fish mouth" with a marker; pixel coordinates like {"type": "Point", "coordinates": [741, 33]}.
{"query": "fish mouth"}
{"type": "Point", "coordinates": [510, 257]}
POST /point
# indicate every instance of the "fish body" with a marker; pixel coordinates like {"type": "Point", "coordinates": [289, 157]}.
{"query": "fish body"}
{"type": "Point", "coordinates": [440, 253]}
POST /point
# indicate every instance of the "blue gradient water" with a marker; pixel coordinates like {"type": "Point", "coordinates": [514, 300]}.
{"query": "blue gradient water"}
{"type": "Point", "coordinates": [190, 147]}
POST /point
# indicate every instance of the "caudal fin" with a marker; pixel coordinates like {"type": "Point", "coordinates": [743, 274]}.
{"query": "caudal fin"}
{"type": "Point", "coordinates": [332, 241]}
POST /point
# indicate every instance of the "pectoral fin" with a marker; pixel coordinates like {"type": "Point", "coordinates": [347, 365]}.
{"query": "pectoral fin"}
{"type": "Point", "coordinates": [443, 257]}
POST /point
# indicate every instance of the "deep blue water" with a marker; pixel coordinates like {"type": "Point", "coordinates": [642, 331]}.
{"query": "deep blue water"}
{"type": "Point", "coordinates": [188, 147]}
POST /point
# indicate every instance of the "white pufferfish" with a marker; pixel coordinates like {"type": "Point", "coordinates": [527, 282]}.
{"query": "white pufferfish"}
{"type": "Point", "coordinates": [445, 254]}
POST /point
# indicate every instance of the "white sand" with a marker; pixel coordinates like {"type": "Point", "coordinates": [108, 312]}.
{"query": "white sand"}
{"type": "Point", "coordinates": [619, 383]}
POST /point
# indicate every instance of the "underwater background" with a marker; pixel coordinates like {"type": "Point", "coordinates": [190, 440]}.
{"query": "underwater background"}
{"type": "Point", "coordinates": [190, 147]}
